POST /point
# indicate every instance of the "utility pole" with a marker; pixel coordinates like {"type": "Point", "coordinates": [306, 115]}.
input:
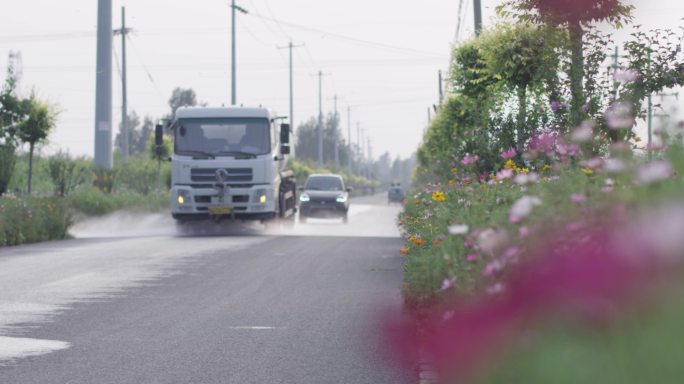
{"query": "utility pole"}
{"type": "Point", "coordinates": [370, 158]}
{"type": "Point", "coordinates": [319, 129]}
{"type": "Point", "coordinates": [477, 7]}
{"type": "Point", "coordinates": [103, 86]}
{"type": "Point", "coordinates": [337, 148]}
{"type": "Point", "coordinates": [233, 98]}
{"type": "Point", "coordinates": [362, 144]}
{"type": "Point", "coordinates": [351, 155]}
{"type": "Point", "coordinates": [124, 93]}
{"type": "Point", "coordinates": [358, 148]}
{"type": "Point", "coordinates": [292, 121]}
{"type": "Point", "coordinates": [441, 89]}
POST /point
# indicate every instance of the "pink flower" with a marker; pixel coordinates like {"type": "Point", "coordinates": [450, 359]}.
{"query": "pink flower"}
{"type": "Point", "coordinates": [493, 267]}
{"type": "Point", "coordinates": [619, 116]}
{"type": "Point", "coordinates": [592, 163]}
{"type": "Point", "coordinates": [544, 142]}
{"type": "Point", "coordinates": [508, 154]}
{"type": "Point", "coordinates": [504, 174]}
{"type": "Point", "coordinates": [447, 284]}
{"type": "Point", "coordinates": [584, 133]}
{"type": "Point", "coordinates": [523, 232]}
{"type": "Point", "coordinates": [472, 257]}
{"type": "Point", "coordinates": [578, 198]}
{"type": "Point", "coordinates": [654, 172]}
{"type": "Point", "coordinates": [626, 76]}
{"type": "Point", "coordinates": [467, 160]}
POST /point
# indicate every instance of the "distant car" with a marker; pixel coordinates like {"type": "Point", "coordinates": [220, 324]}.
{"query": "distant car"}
{"type": "Point", "coordinates": [395, 195]}
{"type": "Point", "coordinates": [323, 196]}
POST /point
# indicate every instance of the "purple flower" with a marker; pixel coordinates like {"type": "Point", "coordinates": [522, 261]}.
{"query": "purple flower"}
{"type": "Point", "coordinates": [555, 106]}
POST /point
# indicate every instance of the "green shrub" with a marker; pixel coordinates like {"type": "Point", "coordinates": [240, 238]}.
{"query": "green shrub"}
{"type": "Point", "coordinates": [32, 220]}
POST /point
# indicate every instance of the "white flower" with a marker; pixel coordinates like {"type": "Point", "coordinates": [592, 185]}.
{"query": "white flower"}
{"type": "Point", "coordinates": [526, 178]}
{"type": "Point", "coordinates": [458, 229]}
{"type": "Point", "coordinates": [490, 240]}
{"type": "Point", "coordinates": [522, 208]}
{"type": "Point", "coordinates": [612, 165]}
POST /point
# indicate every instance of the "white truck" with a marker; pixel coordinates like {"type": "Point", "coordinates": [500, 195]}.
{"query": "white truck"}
{"type": "Point", "coordinates": [229, 163]}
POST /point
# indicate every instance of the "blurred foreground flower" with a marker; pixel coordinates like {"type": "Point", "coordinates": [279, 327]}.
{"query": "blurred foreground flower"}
{"type": "Point", "coordinates": [591, 275]}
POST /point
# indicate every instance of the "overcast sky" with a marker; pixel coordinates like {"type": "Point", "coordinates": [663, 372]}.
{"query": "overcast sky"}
{"type": "Point", "coordinates": [380, 57]}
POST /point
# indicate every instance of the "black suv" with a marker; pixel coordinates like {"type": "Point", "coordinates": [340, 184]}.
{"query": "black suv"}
{"type": "Point", "coordinates": [323, 196]}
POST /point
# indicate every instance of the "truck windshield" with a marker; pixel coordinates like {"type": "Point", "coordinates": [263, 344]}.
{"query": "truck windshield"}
{"type": "Point", "coordinates": [222, 136]}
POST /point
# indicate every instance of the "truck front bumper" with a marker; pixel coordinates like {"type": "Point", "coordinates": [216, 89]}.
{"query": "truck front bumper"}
{"type": "Point", "coordinates": [253, 203]}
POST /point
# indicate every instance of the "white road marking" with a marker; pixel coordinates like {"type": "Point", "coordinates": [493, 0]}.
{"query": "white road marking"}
{"type": "Point", "coordinates": [17, 347]}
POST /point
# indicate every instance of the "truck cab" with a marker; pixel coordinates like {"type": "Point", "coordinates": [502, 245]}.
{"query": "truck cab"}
{"type": "Point", "coordinates": [229, 163]}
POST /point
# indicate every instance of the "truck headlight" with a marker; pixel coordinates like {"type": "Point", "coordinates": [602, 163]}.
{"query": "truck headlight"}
{"type": "Point", "coordinates": [304, 197]}
{"type": "Point", "coordinates": [261, 195]}
{"type": "Point", "coordinates": [183, 196]}
{"type": "Point", "coordinates": [341, 199]}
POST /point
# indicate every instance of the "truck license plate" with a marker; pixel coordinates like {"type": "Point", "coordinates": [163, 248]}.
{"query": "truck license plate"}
{"type": "Point", "coordinates": [219, 210]}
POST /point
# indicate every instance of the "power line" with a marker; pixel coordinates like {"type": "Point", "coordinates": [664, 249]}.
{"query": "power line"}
{"type": "Point", "coordinates": [344, 37]}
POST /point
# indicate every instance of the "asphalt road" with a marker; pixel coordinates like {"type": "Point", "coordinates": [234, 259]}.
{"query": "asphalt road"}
{"type": "Point", "coordinates": [130, 301]}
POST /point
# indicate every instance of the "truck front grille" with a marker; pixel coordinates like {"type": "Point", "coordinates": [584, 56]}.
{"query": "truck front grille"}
{"type": "Point", "coordinates": [203, 175]}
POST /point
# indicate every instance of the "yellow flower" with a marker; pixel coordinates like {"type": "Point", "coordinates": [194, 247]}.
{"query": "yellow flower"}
{"type": "Point", "coordinates": [419, 242]}
{"type": "Point", "coordinates": [587, 171]}
{"type": "Point", "coordinates": [510, 164]}
{"type": "Point", "coordinates": [546, 167]}
{"type": "Point", "coordinates": [438, 196]}
{"type": "Point", "coordinates": [454, 170]}
{"type": "Point", "coordinates": [523, 170]}
{"type": "Point", "coordinates": [411, 239]}
{"type": "Point", "coordinates": [416, 222]}
{"type": "Point", "coordinates": [637, 139]}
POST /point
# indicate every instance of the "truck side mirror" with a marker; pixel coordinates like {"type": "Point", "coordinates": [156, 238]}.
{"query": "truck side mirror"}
{"type": "Point", "coordinates": [285, 134]}
{"type": "Point", "coordinates": [285, 149]}
{"type": "Point", "coordinates": [158, 138]}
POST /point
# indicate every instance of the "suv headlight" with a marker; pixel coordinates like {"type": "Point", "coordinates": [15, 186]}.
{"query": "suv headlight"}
{"type": "Point", "coordinates": [304, 197]}
{"type": "Point", "coordinates": [341, 199]}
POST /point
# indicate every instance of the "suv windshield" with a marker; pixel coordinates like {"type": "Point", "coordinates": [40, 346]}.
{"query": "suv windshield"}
{"type": "Point", "coordinates": [222, 136]}
{"type": "Point", "coordinates": [324, 183]}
